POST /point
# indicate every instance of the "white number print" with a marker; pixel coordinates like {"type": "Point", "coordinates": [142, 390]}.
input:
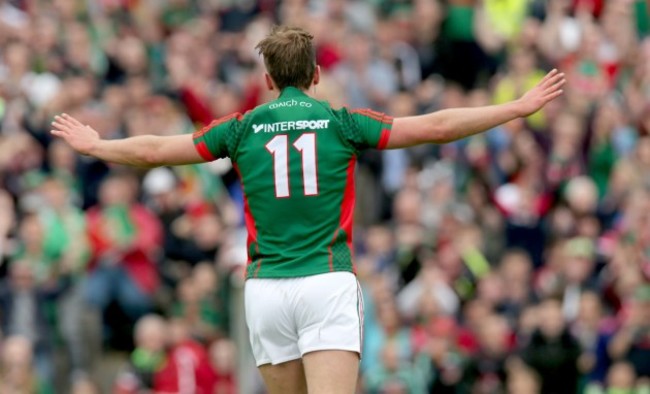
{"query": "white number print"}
{"type": "Point", "coordinates": [280, 151]}
{"type": "Point", "coordinates": [306, 144]}
{"type": "Point", "coordinates": [279, 148]}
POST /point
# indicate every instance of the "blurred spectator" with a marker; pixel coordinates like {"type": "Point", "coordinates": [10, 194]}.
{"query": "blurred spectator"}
{"type": "Point", "coordinates": [552, 352]}
{"type": "Point", "coordinates": [84, 385]}
{"type": "Point", "coordinates": [125, 239]}
{"type": "Point", "coordinates": [387, 328]}
{"type": "Point", "coordinates": [189, 368]}
{"type": "Point", "coordinates": [361, 71]}
{"type": "Point", "coordinates": [621, 378]}
{"type": "Point", "coordinates": [393, 375]}
{"type": "Point", "coordinates": [16, 372]}
{"type": "Point", "coordinates": [632, 341]}
{"type": "Point", "coordinates": [591, 331]}
{"type": "Point", "coordinates": [198, 309]}
{"type": "Point", "coordinates": [149, 358]}
{"type": "Point", "coordinates": [522, 380]}
{"type": "Point", "coordinates": [441, 360]}
{"type": "Point", "coordinates": [65, 238]}
{"type": "Point", "coordinates": [223, 358]}
{"type": "Point", "coordinates": [24, 303]}
{"type": "Point", "coordinates": [486, 372]}
{"type": "Point", "coordinates": [166, 359]}
{"type": "Point", "coordinates": [516, 271]}
{"type": "Point", "coordinates": [578, 275]}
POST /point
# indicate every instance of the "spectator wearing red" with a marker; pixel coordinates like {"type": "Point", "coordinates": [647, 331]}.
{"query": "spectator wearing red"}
{"type": "Point", "coordinates": [125, 240]}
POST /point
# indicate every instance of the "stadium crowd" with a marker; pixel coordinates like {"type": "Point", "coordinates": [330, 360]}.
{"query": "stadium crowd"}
{"type": "Point", "coordinates": [517, 261]}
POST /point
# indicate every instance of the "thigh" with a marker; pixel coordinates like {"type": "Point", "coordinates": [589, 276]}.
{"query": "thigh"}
{"type": "Point", "coordinates": [284, 378]}
{"type": "Point", "coordinates": [329, 316]}
{"type": "Point", "coordinates": [132, 299]}
{"type": "Point", "coordinates": [97, 288]}
{"type": "Point", "coordinates": [270, 320]}
{"type": "Point", "coordinates": [331, 371]}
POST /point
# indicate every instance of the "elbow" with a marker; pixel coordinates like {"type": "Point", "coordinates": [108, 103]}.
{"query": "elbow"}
{"type": "Point", "coordinates": [150, 159]}
{"type": "Point", "coordinates": [152, 156]}
{"type": "Point", "coordinates": [443, 135]}
{"type": "Point", "coordinates": [442, 129]}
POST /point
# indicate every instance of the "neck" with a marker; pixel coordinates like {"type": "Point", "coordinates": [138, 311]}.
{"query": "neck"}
{"type": "Point", "coordinates": [309, 91]}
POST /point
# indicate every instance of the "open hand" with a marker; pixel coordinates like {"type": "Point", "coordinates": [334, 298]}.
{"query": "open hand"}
{"type": "Point", "coordinates": [80, 137]}
{"type": "Point", "coordinates": [546, 90]}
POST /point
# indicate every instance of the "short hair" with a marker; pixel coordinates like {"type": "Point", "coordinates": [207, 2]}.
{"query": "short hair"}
{"type": "Point", "coordinates": [289, 56]}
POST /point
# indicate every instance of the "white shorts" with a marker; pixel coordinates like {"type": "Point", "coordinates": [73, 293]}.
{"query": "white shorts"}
{"type": "Point", "coordinates": [288, 318]}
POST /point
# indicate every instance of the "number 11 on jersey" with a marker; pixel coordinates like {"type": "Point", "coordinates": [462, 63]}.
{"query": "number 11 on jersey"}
{"type": "Point", "coordinates": [279, 148]}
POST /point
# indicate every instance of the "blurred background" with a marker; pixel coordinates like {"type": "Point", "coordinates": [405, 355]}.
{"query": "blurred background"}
{"type": "Point", "coordinates": [517, 261]}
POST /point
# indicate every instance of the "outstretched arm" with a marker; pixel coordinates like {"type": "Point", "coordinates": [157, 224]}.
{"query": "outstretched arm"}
{"type": "Point", "coordinates": [141, 151]}
{"type": "Point", "coordinates": [456, 123]}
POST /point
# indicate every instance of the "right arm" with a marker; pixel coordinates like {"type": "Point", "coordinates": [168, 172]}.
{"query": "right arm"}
{"type": "Point", "coordinates": [142, 151]}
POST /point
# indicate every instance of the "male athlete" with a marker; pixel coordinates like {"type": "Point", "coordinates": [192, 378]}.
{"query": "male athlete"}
{"type": "Point", "coordinates": [296, 157]}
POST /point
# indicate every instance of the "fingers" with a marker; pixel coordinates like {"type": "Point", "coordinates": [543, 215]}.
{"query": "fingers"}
{"type": "Point", "coordinates": [67, 121]}
{"type": "Point", "coordinates": [554, 91]}
{"type": "Point", "coordinates": [64, 121]}
{"type": "Point", "coordinates": [555, 86]}
{"type": "Point", "coordinates": [553, 95]}
{"type": "Point", "coordinates": [64, 125]}
{"type": "Point", "coordinates": [72, 120]}
{"type": "Point", "coordinates": [552, 79]}
{"type": "Point", "coordinates": [58, 133]}
{"type": "Point", "coordinates": [61, 126]}
{"type": "Point", "coordinates": [548, 76]}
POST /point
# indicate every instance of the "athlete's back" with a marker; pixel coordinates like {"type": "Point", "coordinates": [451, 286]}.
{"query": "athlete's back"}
{"type": "Point", "coordinates": [296, 158]}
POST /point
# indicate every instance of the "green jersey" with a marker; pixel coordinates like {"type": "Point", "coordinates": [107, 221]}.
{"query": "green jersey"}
{"type": "Point", "coordinates": [295, 157]}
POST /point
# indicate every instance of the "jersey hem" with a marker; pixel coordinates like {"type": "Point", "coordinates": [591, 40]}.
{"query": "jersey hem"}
{"type": "Point", "coordinates": [270, 275]}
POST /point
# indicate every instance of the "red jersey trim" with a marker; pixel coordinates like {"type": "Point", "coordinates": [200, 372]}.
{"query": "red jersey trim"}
{"type": "Point", "coordinates": [347, 215]}
{"type": "Point", "coordinates": [251, 228]}
{"type": "Point", "coordinates": [203, 150]}
{"type": "Point", "coordinates": [378, 116]}
{"type": "Point", "coordinates": [347, 208]}
{"type": "Point", "coordinates": [383, 139]}
{"type": "Point", "coordinates": [216, 122]}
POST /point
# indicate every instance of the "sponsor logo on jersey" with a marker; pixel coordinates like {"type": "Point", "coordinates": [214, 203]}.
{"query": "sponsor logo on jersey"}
{"type": "Point", "coordinates": [291, 125]}
{"type": "Point", "coordinates": [290, 103]}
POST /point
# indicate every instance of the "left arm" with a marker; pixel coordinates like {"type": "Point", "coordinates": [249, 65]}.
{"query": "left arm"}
{"type": "Point", "coordinates": [456, 123]}
{"type": "Point", "coordinates": [449, 124]}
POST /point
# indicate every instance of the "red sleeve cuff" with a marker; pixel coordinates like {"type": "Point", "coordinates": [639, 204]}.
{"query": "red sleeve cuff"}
{"type": "Point", "coordinates": [203, 150]}
{"type": "Point", "coordinates": [383, 139]}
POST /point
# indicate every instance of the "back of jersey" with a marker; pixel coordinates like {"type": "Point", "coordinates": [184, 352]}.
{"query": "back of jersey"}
{"type": "Point", "coordinates": [296, 157]}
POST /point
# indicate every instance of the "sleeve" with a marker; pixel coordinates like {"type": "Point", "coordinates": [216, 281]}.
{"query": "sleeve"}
{"type": "Point", "coordinates": [372, 129]}
{"type": "Point", "coordinates": [214, 140]}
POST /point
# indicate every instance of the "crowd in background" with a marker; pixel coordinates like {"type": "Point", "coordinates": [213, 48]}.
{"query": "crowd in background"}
{"type": "Point", "coordinates": [517, 261]}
